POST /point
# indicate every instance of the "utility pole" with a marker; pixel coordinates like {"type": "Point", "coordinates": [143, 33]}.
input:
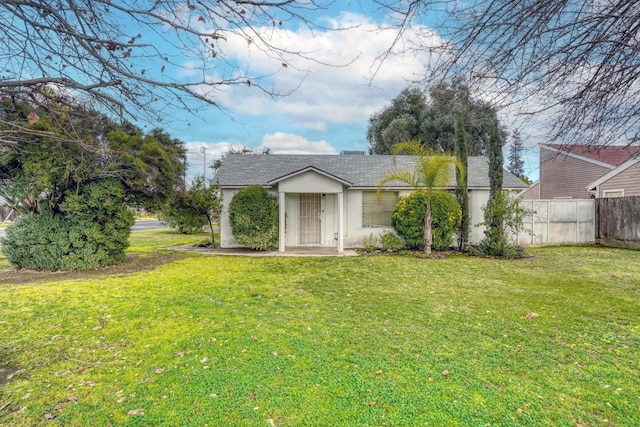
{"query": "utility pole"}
{"type": "Point", "coordinates": [203, 150]}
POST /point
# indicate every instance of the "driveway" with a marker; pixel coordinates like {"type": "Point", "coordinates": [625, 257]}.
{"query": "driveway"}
{"type": "Point", "coordinates": [146, 224]}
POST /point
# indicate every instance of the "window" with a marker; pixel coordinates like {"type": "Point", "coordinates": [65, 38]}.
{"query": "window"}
{"type": "Point", "coordinates": [613, 193]}
{"type": "Point", "coordinates": [377, 210]}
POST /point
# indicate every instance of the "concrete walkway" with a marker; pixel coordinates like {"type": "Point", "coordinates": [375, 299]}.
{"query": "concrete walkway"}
{"type": "Point", "coordinates": [290, 252]}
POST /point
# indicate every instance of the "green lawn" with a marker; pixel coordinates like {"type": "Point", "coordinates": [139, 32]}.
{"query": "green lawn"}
{"type": "Point", "coordinates": [366, 341]}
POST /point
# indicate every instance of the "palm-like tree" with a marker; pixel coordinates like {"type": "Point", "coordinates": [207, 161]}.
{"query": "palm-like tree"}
{"type": "Point", "coordinates": [431, 171]}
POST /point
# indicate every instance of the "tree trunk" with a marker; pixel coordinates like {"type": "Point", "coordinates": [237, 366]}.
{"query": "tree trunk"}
{"type": "Point", "coordinates": [428, 238]}
{"type": "Point", "coordinates": [213, 241]}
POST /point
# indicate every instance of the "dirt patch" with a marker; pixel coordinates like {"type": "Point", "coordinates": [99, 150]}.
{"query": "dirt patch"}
{"type": "Point", "coordinates": [135, 262]}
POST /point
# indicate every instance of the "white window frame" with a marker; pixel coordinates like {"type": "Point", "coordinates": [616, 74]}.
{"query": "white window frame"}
{"type": "Point", "coordinates": [616, 193]}
{"type": "Point", "coordinates": [377, 210]}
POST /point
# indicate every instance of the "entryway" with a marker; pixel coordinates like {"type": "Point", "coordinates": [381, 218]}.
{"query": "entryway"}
{"type": "Point", "coordinates": [310, 219]}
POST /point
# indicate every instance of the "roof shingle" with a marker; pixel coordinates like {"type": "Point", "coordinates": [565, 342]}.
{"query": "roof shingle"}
{"type": "Point", "coordinates": [363, 171]}
{"type": "Point", "coordinates": [611, 154]}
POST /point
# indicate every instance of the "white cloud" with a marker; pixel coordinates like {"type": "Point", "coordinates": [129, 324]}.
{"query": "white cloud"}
{"type": "Point", "coordinates": [287, 143]}
{"type": "Point", "coordinates": [196, 157]}
{"type": "Point", "coordinates": [334, 85]}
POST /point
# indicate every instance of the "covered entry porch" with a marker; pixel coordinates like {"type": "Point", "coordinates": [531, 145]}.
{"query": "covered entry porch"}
{"type": "Point", "coordinates": [311, 210]}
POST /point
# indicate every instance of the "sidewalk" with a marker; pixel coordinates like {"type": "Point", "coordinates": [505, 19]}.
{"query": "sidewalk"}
{"type": "Point", "coordinates": [290, 252]}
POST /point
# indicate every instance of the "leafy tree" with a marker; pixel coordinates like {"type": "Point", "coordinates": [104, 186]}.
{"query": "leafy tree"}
{"type": "Point", "coordinates": [431, 170]}
{"type": "Point", "coordinates": [242, 150]}
{"type": "Point", "coordinates": [452, 102]}
{"type": "Point", "coordinates": [577, 59]}
{"type": "Point", "coordinates": [126, 58]}
{"type": "Point", "coordinates": [253, 215]}
{"type": "Point", "coordinates": [516, 164]}
{"type": "Point", "coordinates": [195, 208]}
{"type": "Point", "coordinates": [83, 189]}
{"type": "Point", "coordinates": [399, 121]}
{"type": "Point", "coordinates": [39, 173]}
{"type": "Point", "coordinates": [432, 119]}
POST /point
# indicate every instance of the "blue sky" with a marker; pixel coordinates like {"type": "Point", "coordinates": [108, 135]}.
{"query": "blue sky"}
{"type": "Point", "coordinates": [327, 107]}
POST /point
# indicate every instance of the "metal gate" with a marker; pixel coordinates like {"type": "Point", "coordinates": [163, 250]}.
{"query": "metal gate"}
{"type": "Point", "coordinates": [310, 219]}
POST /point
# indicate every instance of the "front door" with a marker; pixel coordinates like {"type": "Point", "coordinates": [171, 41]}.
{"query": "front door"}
{"type": "Point", "coordinates": [310, 219]}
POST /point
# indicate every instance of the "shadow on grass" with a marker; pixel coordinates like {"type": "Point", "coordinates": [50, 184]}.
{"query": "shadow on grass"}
{"type": "Point", "coordinates": [134, 262]}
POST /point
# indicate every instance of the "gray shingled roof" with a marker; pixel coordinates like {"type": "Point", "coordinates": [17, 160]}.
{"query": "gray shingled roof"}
{"type": "Point", "coordinates": [362, 171]}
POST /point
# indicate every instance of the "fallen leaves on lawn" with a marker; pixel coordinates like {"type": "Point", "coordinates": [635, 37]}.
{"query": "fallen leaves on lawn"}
{"type": "Point", "coordinates": [136, 412]}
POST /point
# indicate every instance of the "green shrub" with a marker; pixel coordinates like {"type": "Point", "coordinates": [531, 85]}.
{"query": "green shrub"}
{"type": "Point", "coordinates": [91, 231]}
{"type": "Point", "coordinates": [180, 216]}
{"type": "Point", "coordinates": [195, 209]}
{"type": "Point", "coordinates": [503, 217]}
{"type": "Point", "coordinates": [253, 214]}
{"type": "Point", "coordinates": [390, 242]}
{"type": "Point", "coordinates": [408, 218]}
{"type": "Point", "coordinates": [370, 243]}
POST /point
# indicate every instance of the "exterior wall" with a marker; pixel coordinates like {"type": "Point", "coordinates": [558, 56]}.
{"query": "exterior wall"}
{"type": "Point", "coordinates": [555, 222]}
{"type": "Point", "coordinates": [477, 201]}
{"type": "Point", "coordinates": [310, 182]}
{"type": "Point", "coordinates": [226, 236]}
{"type": "Point", "coordinates": [627, 180]}
{"type": "Point", "coordinates": [532, 192]}
{"type": "Point", "coordinates": [329, 223]}
{"type": "Point", "coordinates": [354, 231]}
{"type": "Point", "coordinates": [567, 177]}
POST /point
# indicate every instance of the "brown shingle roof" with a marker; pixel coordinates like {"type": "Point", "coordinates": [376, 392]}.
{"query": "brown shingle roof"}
{"type": "Point", "coordinates": [613, 154]}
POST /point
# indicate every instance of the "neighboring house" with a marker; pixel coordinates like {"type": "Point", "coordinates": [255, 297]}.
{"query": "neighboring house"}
{"type": "Point", "coordinates": [586, 171]}
{"type": "Point", "coordinates": [331, 200]}
{"type": "Point", "coordinates": [533, 192]}
{"type": "Point", "coordinates": [623, 181]}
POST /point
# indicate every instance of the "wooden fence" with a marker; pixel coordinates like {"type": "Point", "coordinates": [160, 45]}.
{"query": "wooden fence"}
{"type": "Point", "coordinates": [618, 222]}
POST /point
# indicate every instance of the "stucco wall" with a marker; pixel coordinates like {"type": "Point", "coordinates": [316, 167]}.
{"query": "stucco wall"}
{"type": "Point", "coordinates": [354, 231]}
{"type": "Point", "coordinates": [553, 222]}
{"type": "Point", "coordinates": [310, 182]}
{"type": "Point", "coordinates": [477, 201]}
{"type": "Point", "coordinates": [226, 236]}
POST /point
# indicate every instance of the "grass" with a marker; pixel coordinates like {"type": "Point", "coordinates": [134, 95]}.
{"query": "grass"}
{"type": "Point", "coordinates": [552, 340]}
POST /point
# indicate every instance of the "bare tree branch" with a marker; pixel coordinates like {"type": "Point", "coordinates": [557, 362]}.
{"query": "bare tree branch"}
{"type": "Point", "coordinates": [579, 61]}
{"type": "Point", "coordinates": [136, 58]}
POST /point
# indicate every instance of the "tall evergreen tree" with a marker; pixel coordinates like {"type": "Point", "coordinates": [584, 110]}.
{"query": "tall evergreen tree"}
{"type": "Point", "coordinates": [461, 183]}
{"type": "Point", "coordinates": [516, 164]}
{"type": "Point", "coordinates": [496, 160]}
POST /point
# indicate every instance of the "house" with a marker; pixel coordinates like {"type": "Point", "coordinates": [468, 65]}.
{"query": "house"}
{"type": "Point", "coordinates": [331, 200]}
{"type": "Point", "coordinates": [586, 171]}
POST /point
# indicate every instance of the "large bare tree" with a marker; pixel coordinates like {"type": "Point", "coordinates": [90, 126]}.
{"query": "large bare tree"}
{"type": "Point", "coordinates": [575, 62]}
{"type": "Point", "coordinates": [135, 58]}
